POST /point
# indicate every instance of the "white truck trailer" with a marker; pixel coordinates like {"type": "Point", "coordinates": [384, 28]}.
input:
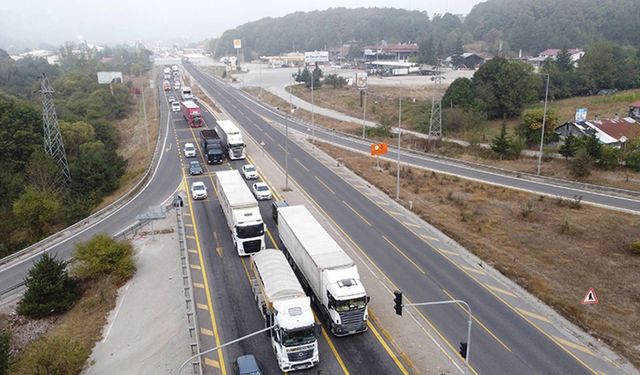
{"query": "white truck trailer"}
{"type": "Point", "coordinates": [232, 139]}
{"type": "Point", "coordinates": [241, 211]}
{"type": "Point", "coordinates": [284, 305]}
{"type": "Point", "coordinates": [326, 269]}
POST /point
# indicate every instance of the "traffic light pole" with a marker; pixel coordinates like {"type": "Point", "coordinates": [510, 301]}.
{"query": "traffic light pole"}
{"type": "Point", "coordinates": [464, 353]}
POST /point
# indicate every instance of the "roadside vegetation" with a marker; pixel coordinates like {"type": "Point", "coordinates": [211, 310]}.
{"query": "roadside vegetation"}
{"type": "Point", "coordinates": [555, 248]}
{"type": "Point", "coordinates": [72, 303]}
{"type": "Point", "coordinates": [98, 126]}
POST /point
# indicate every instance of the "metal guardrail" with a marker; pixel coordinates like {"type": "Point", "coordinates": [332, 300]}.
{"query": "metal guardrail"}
{"type": "Point", "coordinates": [43, 244]}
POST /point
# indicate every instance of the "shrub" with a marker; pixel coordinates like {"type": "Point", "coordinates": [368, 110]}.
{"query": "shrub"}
{"type": "Point", "coordinates": [59, 355]}
{"type": "Point", "coordinates": [5, 347]}
{"type": "Point", "coordinates": [632, 160]}
{"type": "Point", "coordinates": [581, 164]}
{"type": "Point", "coordinates": [609, 157]}
{"type": "Point", "coordinates": [635, 248]}
{"type": "Point", "coordinates": [102, 255]}
{"type": "Point", "coordinates": [50, 290]}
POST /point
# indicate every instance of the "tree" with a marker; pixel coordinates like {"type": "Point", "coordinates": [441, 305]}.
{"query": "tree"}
{"type": "Point", "coordinates": [632, 160]}
{"type": "Point", "coordinates": [459, 94]}
{"type": "Point", "coordinates": [335, 81]}
{"type": "Point", "coordinates": [530, 127]}
{"type": "Point", "coordinates": [501, 144]}
{"type": "Point", "coordinates": [35, 210]}
{"type": "Point", "coordinates": [598, 66]}
{"type": "Point", "coordinates": [581, 164]}
{"type": "Point", "coordinates": [5, 349]}
{"type": "Point", "coordinates": [609, 157]}
{"type": "Point", "coordinates": [563, 61]}
{"type": "Point", "coordinates": [592, 146]}
{"type": "Point", "coordinates": [50, 290]}
{"type": "Point", "coordinates": [43, 173]}
{"type": "Point", "coordinates": [76, 134]}
{"type": "Point", "coordinates": [569, 147]}
{"type": "Point", "coordinates": [427, 51]}
{"type": "Point", "coordinates": [458, 50]}
{"type": "Point", "coordinates": [101, 256]}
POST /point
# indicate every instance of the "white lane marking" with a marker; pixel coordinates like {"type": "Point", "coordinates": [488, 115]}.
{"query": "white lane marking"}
{"type": "Point", "coordinates": [115, 316]}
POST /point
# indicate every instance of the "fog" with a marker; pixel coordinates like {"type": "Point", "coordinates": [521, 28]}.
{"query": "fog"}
{"type": "Point", "coordinates": [163, 21]}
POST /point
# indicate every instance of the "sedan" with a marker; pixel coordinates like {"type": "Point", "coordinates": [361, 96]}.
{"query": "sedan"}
{"type": "Point", "coordinates": [261, 191]}
{"type": "Point", "coordinates": [249, 172]}
{"type": "Point", "coordinates": [195, 167]}
{"type": "Point", "coordinates": [189, 150]}
{"type": "Point", "coordinates": [171, 98]}
{"type": "Point", "coordinates": [198, 190]}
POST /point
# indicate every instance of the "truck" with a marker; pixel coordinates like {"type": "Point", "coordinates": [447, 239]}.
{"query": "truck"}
{"type": "Point", "coordinates": [231, 139]}
{"type": "Point", "coordinates": [185, 93]}
{"type": "Point", "coordinates": [211, 146]}
{"type": "Point", "coordinates": [285, 306]}
{"type": "Point", "coordinates": [191, 112]}
{"type": "Point", "coordinates": [241, 212]}
{"type": "Point", "coordinates": [166, 72]}
{"type": "Point", "coordinates": [325, 269]}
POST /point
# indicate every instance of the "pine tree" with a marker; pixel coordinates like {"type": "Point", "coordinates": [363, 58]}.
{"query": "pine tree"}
{"type": "Point", "coordinates": [50, 290]}
{"type": "Point", "coordinates": [570, 147]}
{"type": "Point", "coordinates": [592, 146]}
{"type": "Point", "coordinates": [501, 144]}
{"type": "Point", "coordinates": [581, 164]}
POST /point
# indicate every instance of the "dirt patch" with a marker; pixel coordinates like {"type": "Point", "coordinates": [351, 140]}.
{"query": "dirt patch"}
{"type": "Point", "coordinates": [556, 249]}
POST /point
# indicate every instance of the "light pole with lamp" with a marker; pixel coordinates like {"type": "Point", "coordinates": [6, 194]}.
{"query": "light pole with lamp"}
{"type": "Point", "coordinates": [399, 135]}
{"type": "Point", "coordinates": [544, 120]}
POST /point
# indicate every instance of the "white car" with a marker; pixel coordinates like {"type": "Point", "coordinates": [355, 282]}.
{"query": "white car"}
{"type": "Point", "coordinates": [189, 150]}
{"type": "Point", "coordinates": [198, 190]}
{"type": "Point", "coordinates": [249, 172]}
{"type": "Point", "coordinates": [261, 191]}
{"type": "Point", "coordinates": [175, 106]}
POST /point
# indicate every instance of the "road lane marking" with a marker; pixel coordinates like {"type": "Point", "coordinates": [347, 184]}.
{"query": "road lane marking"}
{"type": "Point", "coordinates": [500, 290]}
{"type": "Point", "coordinates": [325, 185]}
{"type": "Point", "coordinates": [191, 237]}
{"type": "Point", "coordinates": [534, 315]}
{"type": "Point", "coordinates": [211, 362]}
{"type": "Point", "coordinates": [188, 225]}
{"type": "Point", "coordinates": [206, 332]}
{"type": "Point", "coordinates": [430, 238]}
{"type": "Point", "coordinates": [404, 255]}
{"type": "Point", "coordinates": [219, 250]}
{"type": "Point", "coordinates": [411, 224]}
{"type": "Point", "coordinates": [195, 266]}
{"type": "Point", "coordinates": [388, 349]}
{"type": "Point", "coordinates": [202, 306]}
{"type": "Point", "coordinates": [198, 285]}
{"type": "Point", "coordinates": [474, 270]}
{"type": "Point", "coordinates": [302, 165]}
{"type": "Point", "coordinates": [356, 212]}
{"type": "Point", "coordinates": [573, 345]}
{"type": "Point", "coordinates": [448, 252]}
{"type": "Point", "coordinates": [192, 251]}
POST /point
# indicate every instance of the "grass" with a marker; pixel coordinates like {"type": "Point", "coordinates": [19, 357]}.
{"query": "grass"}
{"type": "Point", "coordinates": [556, 249]}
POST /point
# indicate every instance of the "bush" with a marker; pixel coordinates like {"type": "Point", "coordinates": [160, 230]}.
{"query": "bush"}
{"type": "Point", "coordinates": [581, 164]}
{"type": "Point", "coordinates": [50, 290]}
{"type": "Point", "coordinates": [632, 160]}
{"type": "Point", "coordinates": [59, 355]}
{"type": "Point", "coordinates": [101, 256]}
{"type": "Point", "coordinates": [5, 347]}
{"type": "Point", "coordinates": [635, 248]}
{"type": "Point", "coordinates": [609, 157]}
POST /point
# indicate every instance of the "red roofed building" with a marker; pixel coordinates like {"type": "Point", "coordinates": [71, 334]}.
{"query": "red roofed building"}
{"type": "Point", "coordinates": [619, 128]}
{"type": "Point", "coordinates": [395, 51]}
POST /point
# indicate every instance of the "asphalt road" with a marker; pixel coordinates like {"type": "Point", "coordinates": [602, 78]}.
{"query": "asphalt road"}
{"type": "Point", "coordinates": [228, 278]}
{"type": "Point", "coordinates": [503, 342]}
{"type": "Point", "coordinates": [160, 186]}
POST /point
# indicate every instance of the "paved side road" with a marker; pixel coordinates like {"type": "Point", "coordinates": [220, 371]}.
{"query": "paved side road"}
{"type": "Point", "coordinates": [147, 331]}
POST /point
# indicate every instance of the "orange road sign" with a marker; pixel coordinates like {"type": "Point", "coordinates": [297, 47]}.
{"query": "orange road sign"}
{"type": "Point", "coordinates": [379, 149]}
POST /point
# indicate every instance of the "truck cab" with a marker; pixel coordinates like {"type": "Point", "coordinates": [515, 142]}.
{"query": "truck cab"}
{"type": "Point", "coordinates": [346, 302]}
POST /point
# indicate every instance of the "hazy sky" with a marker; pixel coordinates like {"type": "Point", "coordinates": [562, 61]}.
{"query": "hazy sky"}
{"type": "Point", "coordinates": [110, 21]}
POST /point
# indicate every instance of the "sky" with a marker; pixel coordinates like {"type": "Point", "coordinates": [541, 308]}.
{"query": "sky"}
{"type": "Point", "coordinates": [114, 21]}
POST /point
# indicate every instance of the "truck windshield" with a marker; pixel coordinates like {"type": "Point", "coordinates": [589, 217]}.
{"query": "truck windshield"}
{"type": "Point", "coordinates": [249, 231]}
{"type": "Point", "coordinates": [299, 336]}
{"type": "Point", "coordinates": [350, 304]}
{"type": "Point", "coordinates": [196, 120]}
{"type": "Point", "coordinates": [237, 145]}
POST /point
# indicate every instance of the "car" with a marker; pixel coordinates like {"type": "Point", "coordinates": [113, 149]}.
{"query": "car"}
{"type": "Point", "coordinates": [195, 167]}
{"type": "Point", "coordinates": [198, 190]}
{"type": "Point", "coordinates": [171, 98]}
{"type": "Point", "coordinates": [246, 365]}
{"type": "Point", "coordinates": [249, 172]}
{"type": "Point", "coordinates": [189, 150]}
{"type": "Point", "coordinates": [175, 107]}
{"type": "Point", "coordinates": [261, 191]}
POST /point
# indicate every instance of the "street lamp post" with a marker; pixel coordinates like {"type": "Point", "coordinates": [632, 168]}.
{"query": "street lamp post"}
{"type": "Point", "coordinates": [399, 135]}
{"type": "Point", "coordinates": [544, 120]}
{"type": "Point", "coordinates": [286, 142]}
{"type": "Point", "coordinates": [364, 113]}
{"type": "Point", "coordinates": [312, 106]}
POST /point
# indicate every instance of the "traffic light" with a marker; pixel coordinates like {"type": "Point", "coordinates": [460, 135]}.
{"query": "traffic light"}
{"type": "Point", "coordinates": [463, 349]}
{"type": "Point", "coordinates": [398, 302]}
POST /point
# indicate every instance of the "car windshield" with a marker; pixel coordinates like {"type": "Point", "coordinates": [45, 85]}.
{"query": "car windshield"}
{"type": "Point", "coordinates": [350, 304]}
{"type": "Point", "coordinates": [249, 231]}
{"type": "Point", "coordinates": [250, 169]}
{"type": "Point", "coordinates": [298, 337]}
{"type": "Point", "coordinates": [198, 187]}
{"type": "Point", "coordinates": [262, 188]}
{"type": "Point", "coordinates": [189, 148]}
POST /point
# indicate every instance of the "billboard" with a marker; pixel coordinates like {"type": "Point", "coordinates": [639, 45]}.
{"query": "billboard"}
{"type": "Point", "coordinates": [110, 77]}
{"type": "Point", "coordinates": [361, 81]}
{"type": "Point", "coordinates": [581, 114]}
{"type": "Point", "coordinates": [237, 43]}
{"type": "Point", "coordinates": [316, 56]}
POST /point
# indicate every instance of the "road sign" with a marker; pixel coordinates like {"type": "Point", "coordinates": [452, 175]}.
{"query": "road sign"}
{"type": "Point", "coordinates": [581, 114]}
{"type": "Point", "coordinates": [379, 149]}
{"type": "Point", "coordinates": [361, 81]}
{"type": "Point", "coordinates": [316, 56]}
{"type": "Point", "coordinates": [590, 298]}
{"type": "Point", "coordinates": [110, 77]}
{"type": "Point", "coordinates": [237, 43]}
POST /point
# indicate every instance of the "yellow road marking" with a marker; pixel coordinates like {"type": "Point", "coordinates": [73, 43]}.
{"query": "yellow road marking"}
{"type": "Point", "coordinates": [404, 255]}
{"type": "Point", "coordinates": [206, 332]}
{"type": "Point", "coordinates": [212, 315]}
{"type": "Point", "coordinates": [388, 349]}
{"type": "Point", "coordinates": [202, 306]}
{"type": "Point", "coordinates": [573, 345]}
{"type": "Point", "coordinates": [448, 252]}
{"type": "Point", "coordinates": [533, 315]}
{"type": "Point", "coordinates": [325, 185]}
{"type": "Point", "coordinates": [198, 285]}
{"type": "Point", "coordinates": [479, 322]}
{"type": "Point", "coordinates": [500, 290]}
{"type": "Point", "coordinates": [275, 244]}
{"type": "Point", "coordinates": [211, 362]}
{"type": "Point", "coordinates": [333, 349]}
{"type": "Point", "coordinates": [474, 270]}
{"type": "Point", "coordinates": [195, 266]}
{"type": "Point", "coordinates": [356, 212]}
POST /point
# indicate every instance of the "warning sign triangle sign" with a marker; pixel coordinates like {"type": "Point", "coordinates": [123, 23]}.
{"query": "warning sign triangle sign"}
{"type": "Point", "coordinates": [590, 298]}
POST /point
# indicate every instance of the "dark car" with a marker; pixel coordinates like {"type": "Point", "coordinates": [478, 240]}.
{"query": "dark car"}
{"type": "Point", "coordinates": [246, 365]}
{"type": "Point", "coordinates": [195, 167]}
{"type": "Point", "coordinates": [274, 209]}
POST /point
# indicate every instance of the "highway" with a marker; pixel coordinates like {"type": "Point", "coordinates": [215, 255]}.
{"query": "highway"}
{"type": "Point", "coordinates": [505, 340]}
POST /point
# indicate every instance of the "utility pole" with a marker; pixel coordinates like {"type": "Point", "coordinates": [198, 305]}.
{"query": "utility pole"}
{"type": "Point", "coordinates": [313, 78]}
{"type": "Point", "coordinates": [435, 121]}
{"type": "Point", "coordinates": [53, 144]}
{"type": "Point", "coordinates": [364, 114]}
{"type": "Point", "coordinates": [144, 112]}
{"type": "Point", "coordinates": [399, 135]}
{"type": "Point", "coordinates": [544, 119]}
{"type": "Point", "coordinates": [286, 136]}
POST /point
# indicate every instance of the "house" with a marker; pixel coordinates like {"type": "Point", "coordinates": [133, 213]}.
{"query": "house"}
{"type": "Point", "coordinates": [465, 61]}
{"type": "Point", "coordinates": [537, 62]}
{"type": "Point", "coordinates": [613, 132]}
{"type": "Point", "coordinates": [384, 51]}
{"type": "Point", "coordinates": [634, 110]}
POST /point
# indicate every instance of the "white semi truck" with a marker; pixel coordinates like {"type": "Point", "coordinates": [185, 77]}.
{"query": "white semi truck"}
{"type": "Point", "coordinates": [232, 139]}
{"type": "Point", "coordinates": [284, 305]}
{"type": "Point", "coordinates": [241, 211]}
{"type": "Point", "coordinates": [326, 269]}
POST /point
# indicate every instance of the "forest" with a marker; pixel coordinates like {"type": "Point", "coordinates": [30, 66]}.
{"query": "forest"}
{"type": "Point", "coordinates": [34, 202]}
